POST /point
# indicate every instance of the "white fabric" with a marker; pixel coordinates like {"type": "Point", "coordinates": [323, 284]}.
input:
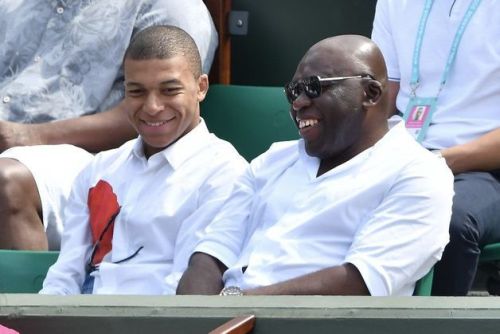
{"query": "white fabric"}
{"type": "Point", "coordinates": [54, 183]}
{"type": "Point", "coordinates": [469, 104]}
{"type": "Point", "coordinates": [166, 202]}
{"type": "Point", "coordinates": [386, 211]}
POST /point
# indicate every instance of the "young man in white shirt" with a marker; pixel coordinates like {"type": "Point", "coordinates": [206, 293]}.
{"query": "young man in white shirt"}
{"type": "Point", "coordinates": [351, 208]}
{"type": "Point", "coordinates": [61, 84]}
{"type": "Point", "coordinates": [136, 212]}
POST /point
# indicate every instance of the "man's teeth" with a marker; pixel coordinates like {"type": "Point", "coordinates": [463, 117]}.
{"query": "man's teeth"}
{"type": "Point", "coordinates": [155, 123]}
{"type": "Point", "coordinates": [307, 122]}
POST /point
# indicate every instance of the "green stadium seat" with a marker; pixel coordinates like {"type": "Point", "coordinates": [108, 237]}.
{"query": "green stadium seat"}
{"type": "Point", "coordinates": [424, 285]}
{"type": "Point", "coordinates": [24, 271]}
{"type": "Point", "coordinates": [250, 117]}
{"type": "Point", "coordinates": [490, 253]}
{"type": "Point", "coordinates": [489, 259]}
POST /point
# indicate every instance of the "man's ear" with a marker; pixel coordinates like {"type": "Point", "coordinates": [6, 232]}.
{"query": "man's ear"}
{"type": "Point", "coordinates": [202, 87]}
{"type": "Point", "coordinates": [373, 92]}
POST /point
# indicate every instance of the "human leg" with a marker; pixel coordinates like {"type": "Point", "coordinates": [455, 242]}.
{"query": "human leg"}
{"type": "Point", "coordinates": [52, 169]}
{"type": "Point", "coordinates": [475, 222]}
{"type": "Point", "coordinates": [21, 224]}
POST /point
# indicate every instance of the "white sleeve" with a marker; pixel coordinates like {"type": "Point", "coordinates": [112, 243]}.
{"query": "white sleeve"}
{"type": "Point", "coordinates": [232, 227]}
{"type": "Point", "coordinates": [406, 234]}
{"type": "Point", "coordinates": [382, 36]}
{"type": "Point", "coordinates": [225, 236]}
{"type": "Point", "coordinates": [66, 276]}
{"type": "Point", "coordinates": [211, 197]}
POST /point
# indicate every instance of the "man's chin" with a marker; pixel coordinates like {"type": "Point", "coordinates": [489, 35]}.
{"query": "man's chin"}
{"type": "Point", "coordinates": [311, 150]}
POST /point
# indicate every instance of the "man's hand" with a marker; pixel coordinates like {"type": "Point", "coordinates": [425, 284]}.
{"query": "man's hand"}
{"type": "Point", "coordinates": [18, 134]}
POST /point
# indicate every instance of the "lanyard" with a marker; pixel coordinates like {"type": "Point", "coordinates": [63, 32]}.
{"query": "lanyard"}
{"type": "Point", "coordinates": [415, 72]}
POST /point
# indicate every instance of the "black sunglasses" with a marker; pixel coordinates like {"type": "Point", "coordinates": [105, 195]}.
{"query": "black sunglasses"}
{"type": "Point", "coordinates": [312, 86]}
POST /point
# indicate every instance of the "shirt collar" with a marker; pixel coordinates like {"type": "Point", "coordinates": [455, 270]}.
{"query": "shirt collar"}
{"type": "Point", "coordinates": [387, 140]}
{"type": "Point", "coordinates": [183, 149]}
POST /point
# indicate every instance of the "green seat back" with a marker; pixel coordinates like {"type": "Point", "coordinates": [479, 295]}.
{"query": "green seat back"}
{"type": "Point", "coordinates": [424, 285]}
{"type": "Point", "coordinates": [24, 271]}
{"type": "Point", "coordinates": [249, 117]}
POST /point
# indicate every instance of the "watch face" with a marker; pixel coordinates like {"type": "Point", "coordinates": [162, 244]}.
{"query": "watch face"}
{"type": "Point", "coordinates": [231, 291]}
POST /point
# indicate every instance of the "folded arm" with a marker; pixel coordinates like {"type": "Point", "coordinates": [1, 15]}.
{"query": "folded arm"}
{"type": "Point", "coordinates": [94, 133]}
{"type": "Point", "coordinates": [338, 280]}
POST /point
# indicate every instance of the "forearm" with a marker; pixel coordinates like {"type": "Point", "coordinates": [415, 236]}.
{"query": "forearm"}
{"type": "Point", "coordinates": [202, 277]}
{"type": "Point", "coordinates": [94, 133]}
{"type": "Point", "coordinates": [481, 154]}
{"type": "Point", "coordinates": [339, 280]}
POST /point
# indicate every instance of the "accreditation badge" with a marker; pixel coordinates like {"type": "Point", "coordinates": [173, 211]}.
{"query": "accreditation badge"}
{"type": "Point", "coordinates": [418, 116]}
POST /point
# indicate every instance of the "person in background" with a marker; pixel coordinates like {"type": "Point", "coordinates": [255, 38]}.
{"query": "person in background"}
{"type": "Point", "coordinates": [61, 82]}
{"type": "Point", "coordinates": [136, 212]}
{"type": "Point", "coordinates": [352, 208]}
{"type": "Point", "coordinates": [444, 56]}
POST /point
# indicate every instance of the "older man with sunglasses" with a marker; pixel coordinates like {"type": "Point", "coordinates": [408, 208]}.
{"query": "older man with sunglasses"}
{"type": "Point", "coordinates": [352, 208]}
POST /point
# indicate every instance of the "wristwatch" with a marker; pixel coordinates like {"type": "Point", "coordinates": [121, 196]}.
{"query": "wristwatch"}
{"type": "Point", "coordinates": [231, 291]}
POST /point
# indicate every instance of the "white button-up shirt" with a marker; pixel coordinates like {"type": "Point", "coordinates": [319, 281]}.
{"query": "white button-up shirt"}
{"type": "Point", "coordinates": [166, 202]}
{"type": "Point", "coordinates": [386, 211]}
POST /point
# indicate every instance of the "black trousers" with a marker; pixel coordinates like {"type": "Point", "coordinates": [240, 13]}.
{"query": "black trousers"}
{"type": "Point", "coordinates": [475, 222]}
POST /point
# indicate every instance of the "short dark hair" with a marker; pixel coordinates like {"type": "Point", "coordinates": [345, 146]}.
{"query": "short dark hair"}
{"type": "Point", "coordinates": [163, 42]}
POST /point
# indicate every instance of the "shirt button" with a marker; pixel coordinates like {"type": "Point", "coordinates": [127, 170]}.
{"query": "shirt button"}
{"type": "Point", "coordinates": [59, 10]}
{"type": "Point", "coordinates": [6, 99]}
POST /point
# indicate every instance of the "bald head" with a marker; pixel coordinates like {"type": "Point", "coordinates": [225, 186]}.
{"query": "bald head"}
{"type": "Point", "coordinates": [347, 55]}
{"type": "Point", "coordinates": [352, 54]}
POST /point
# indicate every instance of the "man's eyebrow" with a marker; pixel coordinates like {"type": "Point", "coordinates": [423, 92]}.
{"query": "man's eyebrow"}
{"type": "Point", "coordinates": [131, 83]}
{"type": "Point", "coordinates": [172, 81]}
{"type": "Point", "coordinates": [163, 83]}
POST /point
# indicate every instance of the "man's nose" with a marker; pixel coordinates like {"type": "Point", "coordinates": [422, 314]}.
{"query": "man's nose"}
{"type": "Point", "coordinates": [153, 104]}
{"type": "Point", "coordinates": [301, 101]}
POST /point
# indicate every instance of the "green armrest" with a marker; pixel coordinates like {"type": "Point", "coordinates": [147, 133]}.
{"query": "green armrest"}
{"type": "Point", "coordinates": [490, 253]}
{"type": "Point", "coordinates": [24, 271]}
{"type": "Point", "coordinates": [250, 117]}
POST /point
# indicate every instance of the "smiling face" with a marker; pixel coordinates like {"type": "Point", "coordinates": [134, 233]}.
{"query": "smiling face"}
{"type": "Point", "coordinates": [331, 124]}
{"type": "Point", "coordinates": [162, 100]}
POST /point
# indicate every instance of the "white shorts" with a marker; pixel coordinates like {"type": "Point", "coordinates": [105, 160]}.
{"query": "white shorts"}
{"type": "Point", "coordinates": [54, 167]}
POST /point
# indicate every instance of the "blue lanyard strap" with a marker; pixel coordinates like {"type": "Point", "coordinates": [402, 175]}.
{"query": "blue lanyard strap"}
{"type": "Point", "coordinates": [415, 72]}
